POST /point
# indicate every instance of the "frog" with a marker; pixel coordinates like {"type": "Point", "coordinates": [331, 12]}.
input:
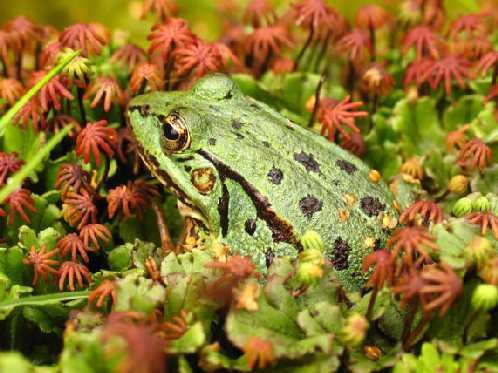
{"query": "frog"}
{"type": "Point", "coordinates": [250, 179]}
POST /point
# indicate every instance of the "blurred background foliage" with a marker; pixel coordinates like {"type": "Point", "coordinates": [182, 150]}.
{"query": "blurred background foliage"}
{"type": "Point", "coordinates": [124, 14]}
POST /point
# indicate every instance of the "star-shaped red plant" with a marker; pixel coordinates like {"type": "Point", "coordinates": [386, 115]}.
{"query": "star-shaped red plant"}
{"type": "Point", "coordinates": [427, 210]}
{"type": "Point", "coordinates": [146, 75]}
{"type": "Point", "coordinates": [18, 202]}
{"type": "Point", "coordinates": [90, 234]}
{"type": "Point", "coordinates": [9, 164]}
{"type": "Point", "coordinates": [442, 285]}
{"type": "Point", "coordinates": [415, 244]}
{"type": "Point", "coordinates": [42, 262]}
{"type": "Point", "coordinates": [448, 70]}
{"type": "Point", "coordinates": [338, 115]}
{"type": "Point", "coordinates": [106, 91]}
{"type": "Point", "coordinates": [82, 36]}
{"type": "Point", "coordinates": [74, 273]}
{"type": "Point", "coordinates": [107, 289]}
{"type": "Point", "coordinates": [129, 55]}
{"type": "Point", "coordinates": [78, 208]}
{"type": "Point", "coordinates": [96, 138]}
{"type": "Point", "coordinates": [486, 220]}
{"type": "Point", "coordinates": [72, 244]}
{"type": "Point", "coordinates": [424, 40]}
{"type": "Point", "coordinates": [475, 154]}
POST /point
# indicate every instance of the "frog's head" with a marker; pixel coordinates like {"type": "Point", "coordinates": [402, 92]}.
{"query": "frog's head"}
{"type": "Point", "coordinates": [171, 128]}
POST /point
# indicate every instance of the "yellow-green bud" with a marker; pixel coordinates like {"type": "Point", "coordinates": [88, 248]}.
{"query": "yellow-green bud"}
{"type": "Point", "coordinates": [309, 273]}
{"type": "Point", "coordinates": [485, 297]}
{"type": "Point", "coordinates": [78, 68]}
{"type": "Point", "coordinates": [311, 240]}
{"type": "Point", "coordinates": [355, 330]}
{"type": "Point", "coordinates": [481, 204]}
{"type": "Point", "coordinates": [462, 207]}
{"type": "Point", "coordinates": [478, 251]}
{"type": "Point", "coordinates": [458, 184]}
{"type": "Point", "coordinates": [311, 256]}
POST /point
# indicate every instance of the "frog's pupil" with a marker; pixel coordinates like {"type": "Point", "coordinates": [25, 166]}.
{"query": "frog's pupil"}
{"type": "Point", "coordinates": [170, 132]}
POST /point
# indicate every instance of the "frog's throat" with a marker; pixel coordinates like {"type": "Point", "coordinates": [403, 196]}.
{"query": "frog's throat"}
{"type": "Point", "coordinates": [282, 230]}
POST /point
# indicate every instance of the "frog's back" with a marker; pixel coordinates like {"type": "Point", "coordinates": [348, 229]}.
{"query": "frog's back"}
{"type": "Point", "coordinates": [311, 183]}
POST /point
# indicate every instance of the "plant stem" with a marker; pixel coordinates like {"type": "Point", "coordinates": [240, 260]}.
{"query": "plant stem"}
{"type": "Point", "coordinates": [371, 303]}
{"type": "Point", "coordinates": [39, 300]}
{"type": "Point", "coordinates": [371, 31]}
{"type": "Point", "coordinates": [468, 324]}
{"type": "Point", "coordinates": [323, 50]}
{"type": "Point", "coordinates": [306, 45]}
{"type": "Point", "coordinates": [3, 65]}
{"type": "Point", "coordinates": [166, 242]}
{"type": "Point", "coordinates": [407, 325]}
{"type": "Point", "coordinates": [79, 94]}
{"type": "Point", "coordinates": [416, 332]}
{"type": "Point", "coordinates": [317, 101]}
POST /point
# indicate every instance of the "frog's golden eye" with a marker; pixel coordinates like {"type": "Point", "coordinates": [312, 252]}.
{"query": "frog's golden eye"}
{"type": "Point", "coordinates": [175, 132]}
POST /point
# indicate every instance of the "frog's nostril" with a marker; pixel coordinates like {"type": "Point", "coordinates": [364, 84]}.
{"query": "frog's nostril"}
{"type": "Point", "coordinates": [145, 110]}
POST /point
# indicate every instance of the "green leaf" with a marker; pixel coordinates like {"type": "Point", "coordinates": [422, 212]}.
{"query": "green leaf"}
{"type": "Point", "coordinates": [268, 323]}
{"type": "Point", "coordinates": [188, 263]}
{"type": "Point", "coordinates": [418, 123]}
{"type": "Point", "coordinates": [16, 181]}
{"type": "Point", "coordinates": [11, 264]}
{"type": "Point", "coordinates": [25, 142]}
{"type": "Point", "coordinates": [485, 126]}
{"type": "Point", "coordinates": [136, 293]}
{"type": "Point", "coordinates": [15, 362]}
{"type": "Point", "coordinates": [189, 342]}
{"type": "Point", "coordinates": [463, 111]}
{"type": "Point", "coordinates": [49, 318]}
{"type": "Point", "coordinates": [120, 258]}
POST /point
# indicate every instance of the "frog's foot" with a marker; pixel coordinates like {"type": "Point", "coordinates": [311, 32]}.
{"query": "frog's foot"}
{"type": "Point", "coordinates": [193, 235]}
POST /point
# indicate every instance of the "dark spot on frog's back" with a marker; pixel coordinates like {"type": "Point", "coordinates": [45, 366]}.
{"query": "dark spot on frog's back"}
{"type": "Point", "coordinates": [250, 226]}
{"type": "Point", "coordinates": [346, 166]}
{"type": "Point", "coordinates": [309, 205]}
{"type": "Point", "coordinates": [275, 176]}
{"type": "Point", "coordinates": [308, 161]}
{"type": "Point", "coordinates": [236, 125]}
{"type": "Point", "coordinates": [339, 257]}
{"type": "Point", "coordinates": [212, 141]}
{"type": "Point", "coordinates": [371, 206]}
{"type": "Point", "coordinates": [266, 144]}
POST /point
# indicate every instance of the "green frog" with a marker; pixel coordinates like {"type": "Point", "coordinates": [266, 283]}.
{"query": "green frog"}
{"type": "Point", "coordinates": [254, 181]}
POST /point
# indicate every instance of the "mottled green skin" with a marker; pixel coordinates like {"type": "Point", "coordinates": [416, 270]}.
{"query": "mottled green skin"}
{"type": "Point", "coordinates": [264, 140]}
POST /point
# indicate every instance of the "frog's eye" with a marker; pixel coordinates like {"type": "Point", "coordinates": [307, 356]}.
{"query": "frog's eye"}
{"type": "Point", "coordinates": [175, 132]}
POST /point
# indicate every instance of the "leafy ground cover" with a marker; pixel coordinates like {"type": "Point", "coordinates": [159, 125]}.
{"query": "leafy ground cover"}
{"type": "Point", "coordinates": [91, 277]}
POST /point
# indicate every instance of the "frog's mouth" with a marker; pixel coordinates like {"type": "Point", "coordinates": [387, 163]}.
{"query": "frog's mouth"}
{"type": "Point", "coordinates": [185, 205]}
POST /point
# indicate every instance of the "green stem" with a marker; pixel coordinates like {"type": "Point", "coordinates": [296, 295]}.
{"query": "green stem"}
{"type": "Point", "coordinates": [39, 300]}
{"type": "Point", "coordinates": [317, 101]}
{"type": "Point", "coordinates": [16, 180]}
{"type": "Point", "coordinates": [305, 47]}
{"type": "Point", "coordinates": [7, 118]}
{"type": "Point", "coordinates": [371, 303]}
